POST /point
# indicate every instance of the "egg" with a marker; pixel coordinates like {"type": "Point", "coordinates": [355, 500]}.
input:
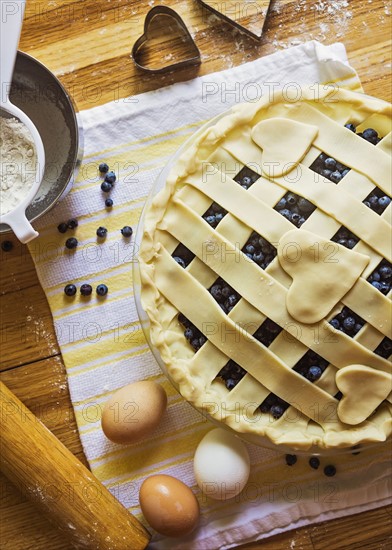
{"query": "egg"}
{"type": "Point", "coordinates": [221, 465]}
{"type": "Point", "coordinates": [133, 412]}
{"type": "Point", "coordinates": [169, 506]}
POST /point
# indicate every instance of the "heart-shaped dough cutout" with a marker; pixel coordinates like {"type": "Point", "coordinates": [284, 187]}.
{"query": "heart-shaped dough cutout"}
{"type": "Point", "coordinates": [284, 142]}
{"type": "Point", "coordinates": [322, 272]}
{"type": "Point", "coordinates": [247, 16]}
{"type": "Point", "coordinates": [166, 43]}
{"type": "Point", "coordinates": [363, 389]}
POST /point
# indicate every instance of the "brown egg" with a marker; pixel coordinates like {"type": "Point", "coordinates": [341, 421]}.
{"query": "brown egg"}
{"type": "Point", "coordinates": [169, 505]}
{"type": "Point", "coordinates": [133, 412]}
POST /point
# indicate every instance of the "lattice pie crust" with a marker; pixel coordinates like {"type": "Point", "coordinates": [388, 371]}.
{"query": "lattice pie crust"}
{"type": "Point", "coordinates": [308, 282]}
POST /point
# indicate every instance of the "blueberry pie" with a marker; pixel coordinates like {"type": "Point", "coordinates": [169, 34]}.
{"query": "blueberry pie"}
{"type": "Point", "coordinates": [266, 270]}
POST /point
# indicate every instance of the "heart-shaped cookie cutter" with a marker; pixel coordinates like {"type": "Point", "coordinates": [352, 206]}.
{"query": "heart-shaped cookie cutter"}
{"type": "Point", "coordinates": [155, 12]}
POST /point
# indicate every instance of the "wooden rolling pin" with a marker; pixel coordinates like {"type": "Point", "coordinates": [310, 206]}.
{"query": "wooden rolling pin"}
{"type": "Point", "coordinates": [68, 493]}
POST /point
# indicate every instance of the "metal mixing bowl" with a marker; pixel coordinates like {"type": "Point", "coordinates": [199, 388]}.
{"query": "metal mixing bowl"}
{"type": "Point", "coordinates": [45, 101]}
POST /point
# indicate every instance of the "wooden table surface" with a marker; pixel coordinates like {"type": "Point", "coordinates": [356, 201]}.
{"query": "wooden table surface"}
{"type": "Point", "coordinates": [87, 45]}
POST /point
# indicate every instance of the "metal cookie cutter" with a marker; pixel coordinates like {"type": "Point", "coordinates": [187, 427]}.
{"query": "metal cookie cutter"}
{"type": "Point", "coordinates": [159, 11]}
{"type": "Point", "coordinates": [248, 16]}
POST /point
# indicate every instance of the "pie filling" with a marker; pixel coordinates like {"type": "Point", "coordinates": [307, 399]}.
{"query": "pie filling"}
{"type": "Point", "coordinates": [255, 241]}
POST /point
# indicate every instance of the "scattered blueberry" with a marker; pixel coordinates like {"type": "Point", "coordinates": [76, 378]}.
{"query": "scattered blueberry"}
{"type": "Point", "coordinates": [231, 374]}
{"type": "Point", "coordinates": [70, 290]}
{"type": "Point", "coordinates": [381, 277]}
{"type": "Point", "coordinates": [110, 177]}
{"type": "Point", "coordinates": [102, 232]}
{"type": "Point", "coordinates": [330, 470]}
{"type": "Point", "coordinates": [62, 227]}
{"type": "Point", "coordinates": [336, 176]}
{"type": "Point", "coordinates": [314, 462]}
{"type": "Point", "coordinates": [102, 290]}
{"type": "Point", "coordinates": [86, 289]}
{"type": "Point", "coordinates": [103, 168]}
{"type": "Point", "coordinates": [348, 322]}
{"type": "Point", "coordinates": [314, 373]}
{"type": "Point", "coordinates": [71, 243]}
{"type": "Point", "coordinates": [6, 246]}
{"type": "Point", "coordinates": [72, 223]}
{"type": "Point", "coordinates": [108, 203]}
{"type": "Point", "coordinates": [180, 261]}
{"type": "Point", "coordinates": [350, 126]}
{"type": "Point", "coordinates": [126, 231]}
{"type": "Point", "coordinates": [276, 411]}
{"type": "Point", "coordinates": [370, 135]}
{"type": "Point", "coordinates": [377, 201]}
{"type": "Point", "coordinates": [106, 186]}
{"type": "Point", "coordinates": [259, 250]}
{"type": "Point", "coordinates": [291, 460]}
{"type": "Point", "coordinates": [294, 208]}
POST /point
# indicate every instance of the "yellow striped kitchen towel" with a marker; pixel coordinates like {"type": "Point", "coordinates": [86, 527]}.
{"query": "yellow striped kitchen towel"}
{"type": "Point", "coordinates": [102, 341]}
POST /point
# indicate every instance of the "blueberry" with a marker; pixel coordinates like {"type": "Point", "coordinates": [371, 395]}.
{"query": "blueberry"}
{"type": "Point", "coordinates": [216, 292]}
{"type": "Point", "coordinates": [86, 289]}
{"type": "Point", "coordinates": [218, 217]}
{"type": "Point", "coordinates": [385, 272]}
{"type": "Point", "coordinates": [281, 204]}
{"type": "Point", "coordinates": [102, 232]}
{"type": "Point", "coordinates": [202, 340]}
{"type": "Point", "coordinates": [226, 291]}
{"type": "Point", "coordinates": [330, 470]}
{"type": "Point", "coordinates": [336, 176]}
{"type": "Point", "coordinates": [7, 246]}
{"type": "Point", "coordinates": [258, 257]}
{"type": "Point", "coordinates": [349, 323]}
{"type": "Point", "coordinates": [373, 199]}
{"type": "Point", "coordinates": [335, 323]}
{"type": "Point", "coordinates": [110, 177]}
{"type": "Point", "coordinates": [250, 249]}
{"type": "Point", "coordinates": [230, 383]}
{"type": "Point", "coordinates": [326, 173]}
{"type": "Point", "coordinates": [180, 261]}
{"type": "Point", "coordinates": [295, 218]}
{"type": "Point", "coordinates": [108, 203]}
{"type": "Point", "coordinates": [301, 221]}
{"type": "Point", "coordinates": [357, 327]}
{"type": "Point", "coordinates": [211, 220]}
{"type": "Point", "coordinates": [276, 411]}
{"type": "Point", "coordinates": [345, 172]}
{"type": "Point", "coordinates": [351, 243]}
{"type": "Point", "coordinates": [367, 203]}
{"type": "Point", "coordinates": [126, 231]}
{"type": "Point", "coordinates": [195, 344]}
{"type": "Point", "coordinates": [375, 276]}
{"type": "Point", "coordinates": [106, 186]}
{"type": "Point", "coordinates": [370, 135]}
{"type": "Point", "coordinates": [246, 181]}
{"type": "Point", "coordinates": [71, 243]}
{"type": "Point", "coordinates": [385, 287]}
{"type": "Point", "coordinates": [340, 167]}
{"type": "Point", "coordinates": [350, 126]}
{"type": "Point", "coordinates": [231, 301]}
{"type": "Point", "coordinates": [62, 227]}
{"type": "Point", "coordinates": [102, 290]}
{"type": "Point", "coordinates": [285, 213]}
{"type": "Point", "coordinates": [70, 290]}
{"type": "Point", "coordinates": [384, 201]}
{"type": "Point", "coordinates": [330, 163]}
{"type": "Point", "coordinates": [291, 199]}
{"type": "Point", "coordinates": [314, 462]}
{"type": "Point", "coordinates": [103, 168]}
{"type": "Point", "coordinates": [188, 333]}
{"type": "Point", "coordinates": [314, 373]}
{"type": "Point", "coordinates": [343, 242]}
{"type": "Point", "coordinates": [291, 460]}
{"type": "Point", "coordinates": [72, 223]}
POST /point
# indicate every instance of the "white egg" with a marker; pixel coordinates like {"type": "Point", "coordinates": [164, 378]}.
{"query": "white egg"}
{"type": "Point", "coordinates": [221, 465]}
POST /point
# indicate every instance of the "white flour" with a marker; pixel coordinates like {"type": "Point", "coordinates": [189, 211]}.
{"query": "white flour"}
{"type": "Point", "coordinates": [17, 163]}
